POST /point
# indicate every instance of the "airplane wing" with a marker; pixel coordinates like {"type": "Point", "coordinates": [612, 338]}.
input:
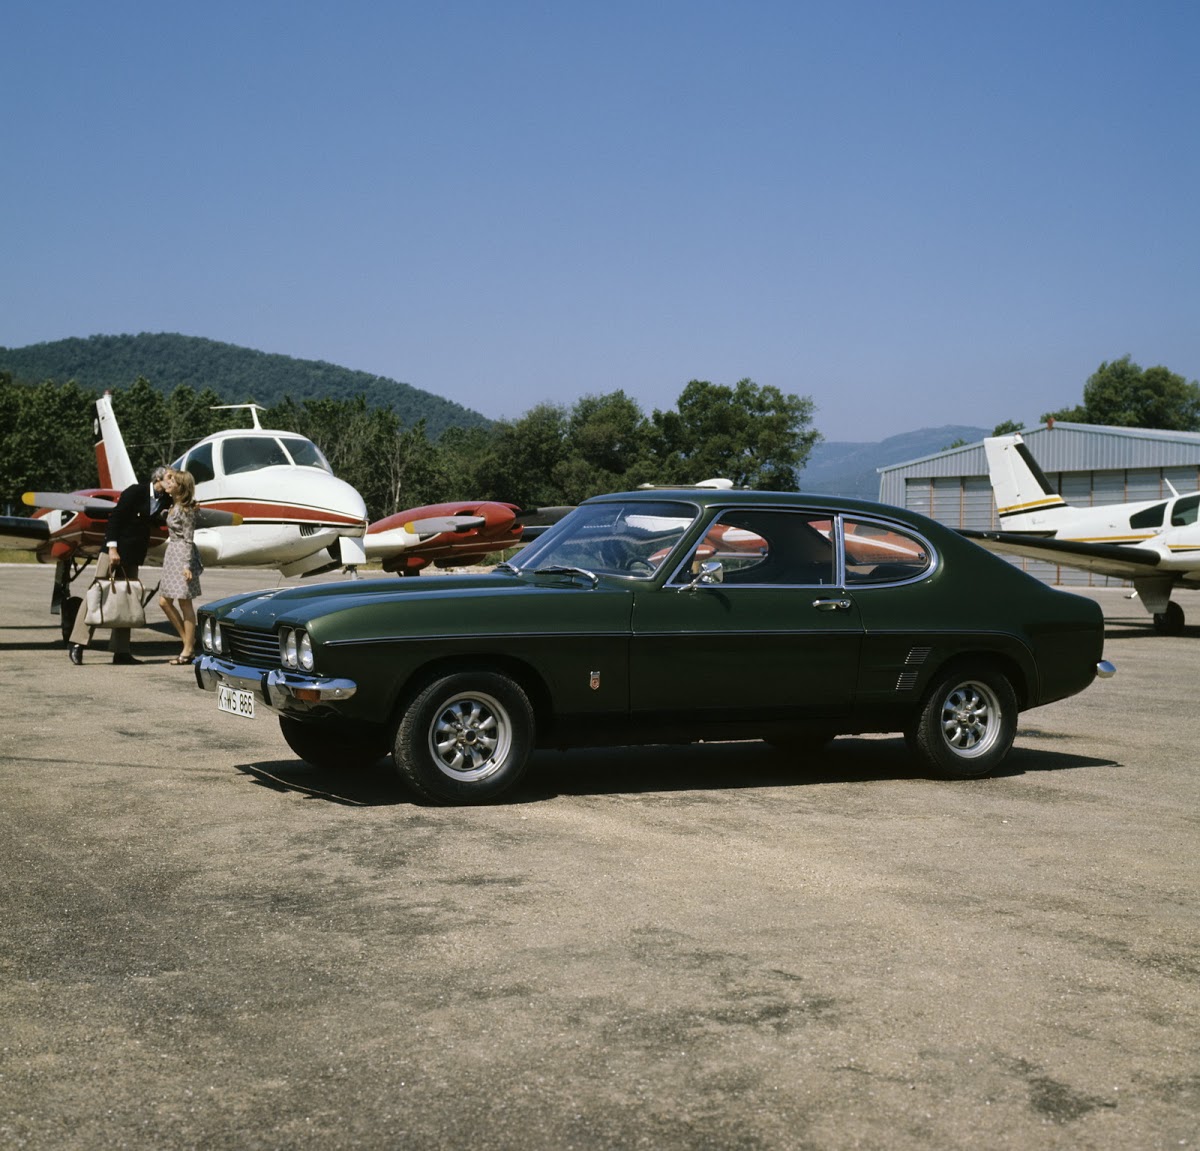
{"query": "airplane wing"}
{"type": "Point", "coordinates": [1121, 561]}
{"type": "Point", "coordinates": [22, 533]}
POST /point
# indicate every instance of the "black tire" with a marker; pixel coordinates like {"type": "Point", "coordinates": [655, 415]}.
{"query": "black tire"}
{"type": "Point", "coordinates": [333, 745]}
{"type": "Point", "coordinates": [966, 724]}
{"type": "Point", "coordinates": [465, 738]}
{"type": "Point", "coordinates": [1169, 622]}
{"type": "Point", "coordinates": [70, 612]}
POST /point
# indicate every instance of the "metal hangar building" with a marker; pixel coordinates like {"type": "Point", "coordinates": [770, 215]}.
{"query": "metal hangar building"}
{"type": "Point", "coordinates": [1088, 464]}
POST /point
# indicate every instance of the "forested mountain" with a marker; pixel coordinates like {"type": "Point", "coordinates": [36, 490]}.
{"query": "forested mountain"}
{"type": "Point", "coordinates": [236, 374]}
{"type": "Point", "coordinates": [851, 469]}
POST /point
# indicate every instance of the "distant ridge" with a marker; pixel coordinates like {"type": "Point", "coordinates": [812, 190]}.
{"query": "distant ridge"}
{"type": "Point", "coordinates": [236, 374]}
{"type": "Point", "coordinates": [849, 469]}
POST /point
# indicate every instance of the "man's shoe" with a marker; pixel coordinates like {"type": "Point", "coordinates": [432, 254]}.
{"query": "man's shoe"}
{"type": "Point", "coordinates": [123, 657]}
{"type": "Point", "coordinates": [76, 653]}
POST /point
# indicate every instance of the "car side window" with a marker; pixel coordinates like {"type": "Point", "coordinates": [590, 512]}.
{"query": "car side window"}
{"type": "Point", "coordinates": [881, 553]}
{"type": "Point", "coordinates": [766, 548]}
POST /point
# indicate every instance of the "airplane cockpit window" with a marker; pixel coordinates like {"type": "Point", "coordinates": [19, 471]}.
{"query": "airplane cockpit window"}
{"type": "Point", "coordinates": [1185, 510]}
{"type": "Point", "coordinates": [1148, 517]}
{"type": "Point", "coordinates": [249, 453]}
{"type": "Point", "coordinates": [305, 453]}
{"type": "Point", "coordinates": [198, 462]}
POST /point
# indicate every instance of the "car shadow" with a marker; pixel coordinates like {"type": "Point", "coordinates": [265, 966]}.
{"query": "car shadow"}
{"type": "Point", "coordinates": [707, 767]}
{"type": "Point", "coordinates": [375, 786]}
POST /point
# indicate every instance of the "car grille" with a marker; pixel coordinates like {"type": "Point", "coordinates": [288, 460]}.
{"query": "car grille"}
{"type": "Point", "coordinates": [251, 648]}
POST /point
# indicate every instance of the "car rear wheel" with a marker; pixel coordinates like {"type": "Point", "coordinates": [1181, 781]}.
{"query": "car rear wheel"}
{"type": "Point", "coordinates": [966, 724]}
{"type": "Point", "coordinates": [334, 745]}
{"type": "Point", "coordinates": [465, 738]}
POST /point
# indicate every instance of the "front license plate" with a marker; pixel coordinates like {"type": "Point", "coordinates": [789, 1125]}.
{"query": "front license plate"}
{"type": "Point", "coordinates": [235, 702]}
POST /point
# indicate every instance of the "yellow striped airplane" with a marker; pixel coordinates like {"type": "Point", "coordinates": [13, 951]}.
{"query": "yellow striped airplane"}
{"type": "Point", "coordinates": [1154, 543]}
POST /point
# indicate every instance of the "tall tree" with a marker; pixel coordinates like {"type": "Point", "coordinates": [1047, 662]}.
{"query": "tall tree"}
{"type": "Point", "coordinates": [1122, 394]}
{"type": "Point", "coordinates": [756, 436]}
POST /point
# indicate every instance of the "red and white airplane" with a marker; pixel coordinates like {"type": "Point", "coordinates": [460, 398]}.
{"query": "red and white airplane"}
{"type": "Point", "coordinates": [267, 499]}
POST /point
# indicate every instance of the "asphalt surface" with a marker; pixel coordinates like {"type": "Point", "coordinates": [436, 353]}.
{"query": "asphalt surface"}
{"type": "Point", "coordinates": [208, 944]}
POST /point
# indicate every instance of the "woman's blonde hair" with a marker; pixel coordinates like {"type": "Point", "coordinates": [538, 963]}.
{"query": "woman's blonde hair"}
{"type": "Point", "coordinates": [185, 488]}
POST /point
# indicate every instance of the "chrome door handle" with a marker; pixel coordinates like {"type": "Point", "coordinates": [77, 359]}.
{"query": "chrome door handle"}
{"type": "Point", "coordinates": [832, 604]}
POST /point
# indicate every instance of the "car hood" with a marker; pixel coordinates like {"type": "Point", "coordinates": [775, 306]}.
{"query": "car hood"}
{"type": "Point", "coordinates": [378, 598]}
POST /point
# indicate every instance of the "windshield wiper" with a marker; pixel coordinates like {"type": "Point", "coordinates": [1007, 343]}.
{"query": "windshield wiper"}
{"type": "Point", "coordinates": [563, 569]}
{"type": "Point", "coordinates": [505, 566]}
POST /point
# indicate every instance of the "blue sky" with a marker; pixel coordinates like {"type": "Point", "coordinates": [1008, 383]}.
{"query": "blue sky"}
{"type": "Point", "coordinates": [915, 213]}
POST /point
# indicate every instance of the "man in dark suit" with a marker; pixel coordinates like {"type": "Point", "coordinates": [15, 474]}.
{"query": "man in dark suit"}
{"type": "Point", "coordinates": [126, 544]}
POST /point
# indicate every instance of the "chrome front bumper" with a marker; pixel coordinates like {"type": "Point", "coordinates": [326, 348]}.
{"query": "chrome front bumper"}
{"type": "Point", "coordinates": [279, 690]}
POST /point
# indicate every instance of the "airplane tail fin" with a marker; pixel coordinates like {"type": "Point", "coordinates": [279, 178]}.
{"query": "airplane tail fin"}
{"type": "Point", "coordinates": [1025, 501]}
{"type": "Point", "coordinates": [112, 460]}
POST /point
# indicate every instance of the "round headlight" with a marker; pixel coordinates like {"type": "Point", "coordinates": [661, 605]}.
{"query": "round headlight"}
{"type": "Point", "coordinates": [305, 651]}
{"type": "Point", "coordinates": [216, 637]}
{"type": "Point", "coordinates": [287, 647]}
{"type": "Point", "coordinates": [206, 635]}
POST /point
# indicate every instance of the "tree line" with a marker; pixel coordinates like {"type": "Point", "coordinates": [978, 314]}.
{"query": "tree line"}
{"type": "Point", "coordinates": [757, 436]}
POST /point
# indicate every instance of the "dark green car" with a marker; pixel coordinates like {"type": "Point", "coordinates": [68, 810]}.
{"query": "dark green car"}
{"type": "Point", "coordinates": [662, 616]}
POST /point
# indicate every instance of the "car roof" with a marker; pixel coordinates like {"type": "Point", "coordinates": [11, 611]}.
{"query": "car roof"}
{"type": "Point", "coordinates": [738, 497]}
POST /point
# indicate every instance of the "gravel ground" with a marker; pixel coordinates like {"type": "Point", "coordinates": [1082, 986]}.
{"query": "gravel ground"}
{"type": "Point", "coordinates": [209, 944]}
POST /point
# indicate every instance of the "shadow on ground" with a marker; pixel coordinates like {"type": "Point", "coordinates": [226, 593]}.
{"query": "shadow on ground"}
{"type": "Point", "coordinates": [660, 768]}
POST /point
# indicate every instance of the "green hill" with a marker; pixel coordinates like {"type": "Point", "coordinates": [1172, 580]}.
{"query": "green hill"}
{"type": "Point", "coordinates": [100, 363]}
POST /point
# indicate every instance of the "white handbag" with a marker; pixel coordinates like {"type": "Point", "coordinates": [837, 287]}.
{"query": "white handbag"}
{"type": "Point", "coordinates": [114, 602]}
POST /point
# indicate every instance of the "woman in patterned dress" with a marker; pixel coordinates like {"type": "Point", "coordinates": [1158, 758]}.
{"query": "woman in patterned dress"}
{"type": "Point", "coordinates": [181, 562]}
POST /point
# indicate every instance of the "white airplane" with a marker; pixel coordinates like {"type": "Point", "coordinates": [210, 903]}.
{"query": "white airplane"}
{"type": "Point", "coordinates": [1154, 543]}
{"type": "Point", "coordinates": [266, 499]}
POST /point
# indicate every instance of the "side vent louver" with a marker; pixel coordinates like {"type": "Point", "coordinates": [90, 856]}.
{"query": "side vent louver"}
{"type": "Point", "coordinates": [907, 680]}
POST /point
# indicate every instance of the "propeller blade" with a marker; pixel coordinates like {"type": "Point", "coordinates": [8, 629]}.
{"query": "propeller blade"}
{"type": "Point", "coordinates": [435, 525]}
{"type": "Point", "coordinates": [66, 501]}
{"type": "Point", "coordinates": [212, 518]}
{"type": "Point", "coordinates": [544, 516]}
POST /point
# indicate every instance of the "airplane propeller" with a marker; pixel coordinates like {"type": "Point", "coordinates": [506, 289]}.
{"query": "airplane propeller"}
{"type": "Point", "coordinates": [67, 501]}
{"type": "Point", "coordinates": [435, 525]}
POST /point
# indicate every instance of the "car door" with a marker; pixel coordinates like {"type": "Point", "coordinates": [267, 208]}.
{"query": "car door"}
{"type": "Point", "coordinates": [779, 639]}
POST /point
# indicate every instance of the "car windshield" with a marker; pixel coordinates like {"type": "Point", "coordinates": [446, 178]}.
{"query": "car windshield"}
{"type": "Point", "coordinates": [619, 538]}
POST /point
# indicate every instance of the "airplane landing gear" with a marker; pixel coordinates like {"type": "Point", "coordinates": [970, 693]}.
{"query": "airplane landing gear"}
{"type": "Point", "coordinates": [1169, 622]}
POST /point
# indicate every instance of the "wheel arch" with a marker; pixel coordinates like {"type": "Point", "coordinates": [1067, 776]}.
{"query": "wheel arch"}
{"type": "Point", "coordinates": [525, 676]}
{"type": "Point", "coordinates": [1003, 661]}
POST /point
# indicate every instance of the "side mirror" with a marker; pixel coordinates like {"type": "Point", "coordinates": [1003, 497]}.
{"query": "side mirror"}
{"type": "Point", "coordinates": [711, 572]}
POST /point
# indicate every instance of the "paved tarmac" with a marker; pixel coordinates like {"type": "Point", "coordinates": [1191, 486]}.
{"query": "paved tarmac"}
{"type": "Point", "coordinates": [208, 944]}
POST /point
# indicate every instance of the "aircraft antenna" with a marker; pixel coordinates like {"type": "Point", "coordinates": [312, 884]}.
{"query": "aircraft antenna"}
{"type": "Point", "coordinates": [253, 408]}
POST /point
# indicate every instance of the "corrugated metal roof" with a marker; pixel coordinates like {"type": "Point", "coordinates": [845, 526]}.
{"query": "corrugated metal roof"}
{"type": "Point", "coordinates": [1065, 447]}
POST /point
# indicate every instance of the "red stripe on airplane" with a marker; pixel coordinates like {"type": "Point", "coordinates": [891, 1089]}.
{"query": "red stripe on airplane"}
{"type": "Point", "coordinates": [262, 512]}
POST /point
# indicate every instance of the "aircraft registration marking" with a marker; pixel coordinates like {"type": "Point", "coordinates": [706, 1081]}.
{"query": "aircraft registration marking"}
{"type": "Point", "coordinates": [235, 702]}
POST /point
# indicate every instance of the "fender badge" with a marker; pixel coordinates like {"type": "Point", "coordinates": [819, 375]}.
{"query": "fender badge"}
{"type": "Point", "coordinates": [594, 681]}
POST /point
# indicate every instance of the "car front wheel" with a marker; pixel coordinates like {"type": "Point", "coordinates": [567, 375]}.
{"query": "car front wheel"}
{"type": "Point", "coordinates": [333, 745]}
{"type": "Point", "coordinates": [465, 738]}
{"type": "Point", "coordinates": [966, 724]}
